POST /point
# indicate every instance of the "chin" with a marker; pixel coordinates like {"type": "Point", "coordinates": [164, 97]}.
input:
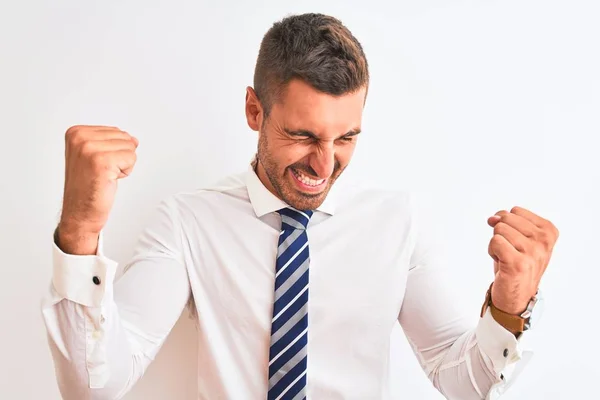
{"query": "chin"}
{"type": "Point", "coordinates": [299, 194]}
{"type": "Point", "coordinates": [305, 201]}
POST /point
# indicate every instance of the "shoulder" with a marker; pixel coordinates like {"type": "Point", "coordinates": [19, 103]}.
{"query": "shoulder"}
{"type": "Point", "coordinates": [229, 190]}
{"type": "Point", "coordinates": [376, 199]}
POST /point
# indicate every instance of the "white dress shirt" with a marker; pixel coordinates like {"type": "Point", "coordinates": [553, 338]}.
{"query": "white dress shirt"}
{"type": "Point", "coordinates": [215, 249]}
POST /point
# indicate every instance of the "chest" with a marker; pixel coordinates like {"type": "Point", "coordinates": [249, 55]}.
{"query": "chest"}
{"type": "Point", "coordinates": [356, 276]}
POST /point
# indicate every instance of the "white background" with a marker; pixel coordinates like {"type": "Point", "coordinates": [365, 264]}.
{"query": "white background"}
{"type": "Point", "coordinates": [474, 105]}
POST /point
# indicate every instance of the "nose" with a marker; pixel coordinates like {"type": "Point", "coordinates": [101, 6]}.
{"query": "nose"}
{"type": "Point", "coordinates": [323, 160]}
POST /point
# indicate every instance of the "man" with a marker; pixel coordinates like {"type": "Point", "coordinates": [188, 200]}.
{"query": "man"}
{"type": "Point", "coordinates": [296, 281]}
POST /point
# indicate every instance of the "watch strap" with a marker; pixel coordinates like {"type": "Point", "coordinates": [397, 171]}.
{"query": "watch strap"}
{"type": "Point", "coordinates": [513, 323]}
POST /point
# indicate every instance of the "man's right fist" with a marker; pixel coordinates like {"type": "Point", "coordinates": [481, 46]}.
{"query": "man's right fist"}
{"type": "Point", "coordinates": [95, 158]}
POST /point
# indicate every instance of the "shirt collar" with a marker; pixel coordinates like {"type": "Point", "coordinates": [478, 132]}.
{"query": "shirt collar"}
{"type": "Point", "coordinates": [264, 202]}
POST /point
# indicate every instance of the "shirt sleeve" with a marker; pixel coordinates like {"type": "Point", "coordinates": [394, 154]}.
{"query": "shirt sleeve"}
{"type": "Point", "coordinates": [464, 356]}
{"type": "Point", "coordinates": [103, 333]}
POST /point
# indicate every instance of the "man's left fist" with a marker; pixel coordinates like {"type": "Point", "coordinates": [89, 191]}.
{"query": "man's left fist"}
{"type": "Point", "coordinates": [521, 248]}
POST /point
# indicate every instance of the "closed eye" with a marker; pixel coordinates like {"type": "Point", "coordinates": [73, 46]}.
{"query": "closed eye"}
{"type": "Point", "coordinates": [304, 135]}
{"type": "Point", "coordinates": [350, 136]}
{"type": "Point", "coordinates": [301, 134]}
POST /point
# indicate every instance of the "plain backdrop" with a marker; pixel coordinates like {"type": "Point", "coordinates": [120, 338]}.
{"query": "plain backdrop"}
{"type": "Point", "coordinates": [475, 106]}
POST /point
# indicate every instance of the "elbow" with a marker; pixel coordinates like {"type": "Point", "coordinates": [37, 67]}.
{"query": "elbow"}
{"type": "Point", "coordinates": [75, 388]}
{"type": "Point", "coordinates": [75, 385]}
{"type": "Point", "coordinates": [458, 384]}
{"type": "Point", "coordinates": [78, 382]}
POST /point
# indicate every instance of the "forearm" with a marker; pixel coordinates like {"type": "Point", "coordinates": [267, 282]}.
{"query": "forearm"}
{"type": "Point", "coordinates": [473, 365]}
{"type": "Point", "coordinates": [91, 349]}
{"type": "Point", "coordinates": [462, 373]}
{"type": "Point", "coordinates": [104, 333]}
{"type": "Point", "coordinates": [465, 357]}
{"type": "Point", "coordinates": [92, 355]}
{"type": "Point", "coordinates": [103, 344]}
{"type": "Point", "coordinates": [71, 239]}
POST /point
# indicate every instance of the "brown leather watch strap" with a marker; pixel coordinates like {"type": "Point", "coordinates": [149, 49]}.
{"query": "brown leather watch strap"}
{"type": "Point", "coordinates": [513, 323]}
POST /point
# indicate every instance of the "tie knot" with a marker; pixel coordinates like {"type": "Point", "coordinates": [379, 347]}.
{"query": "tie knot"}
{"type": "Point", "coordinates": [294, 219]}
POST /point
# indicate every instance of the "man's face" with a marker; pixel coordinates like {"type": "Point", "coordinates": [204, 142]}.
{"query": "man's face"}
{"type": "Point", "coordinates": [306, 142]}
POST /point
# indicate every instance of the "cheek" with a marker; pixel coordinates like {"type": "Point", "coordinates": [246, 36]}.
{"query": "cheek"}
{"type": "Point", "coordinates": [344, 153]}
{"type": "Point", "coordinates": [294, 153]}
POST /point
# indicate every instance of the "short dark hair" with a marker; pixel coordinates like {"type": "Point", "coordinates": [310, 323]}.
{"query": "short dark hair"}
{"type": "Point", "coordinates": [316, 48]}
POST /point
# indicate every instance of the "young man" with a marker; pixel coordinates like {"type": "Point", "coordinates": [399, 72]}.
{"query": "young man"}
{"type": "Point", "coordinates": [297, 281]}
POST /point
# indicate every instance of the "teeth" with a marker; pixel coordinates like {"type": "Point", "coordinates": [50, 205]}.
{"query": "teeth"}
{"type": "Point", "coordinates": [306, 180]}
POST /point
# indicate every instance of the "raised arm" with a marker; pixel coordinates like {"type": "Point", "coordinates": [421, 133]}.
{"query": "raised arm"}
{"type": "Point", "coordinates": [466, 357]}
{"type": "Point", "coordinates": [102, 335]}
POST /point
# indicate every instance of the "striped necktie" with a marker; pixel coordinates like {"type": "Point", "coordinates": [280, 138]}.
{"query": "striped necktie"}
{"type": "Point", "coordinates": [289, 326]}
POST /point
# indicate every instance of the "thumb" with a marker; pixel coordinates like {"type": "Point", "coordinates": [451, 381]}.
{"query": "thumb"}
{"type": "Point", "coordinates": [493, 220]}
{"type": "Point", "coordinates": [125, 172]}
{"type": "Point", "coordinates": [124, 161]}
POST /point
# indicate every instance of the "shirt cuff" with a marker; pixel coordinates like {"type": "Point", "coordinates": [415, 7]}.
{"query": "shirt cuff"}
{"type": "Point", "coordinates": [505, 352]}
{"type": "Point", "coordinates": [85, 279]}
{"type": "Point", "coordinates": [496, 342]}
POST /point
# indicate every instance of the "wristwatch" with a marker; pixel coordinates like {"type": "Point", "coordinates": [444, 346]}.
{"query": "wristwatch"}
{"type": "Point", "coordinates": [514, 323]}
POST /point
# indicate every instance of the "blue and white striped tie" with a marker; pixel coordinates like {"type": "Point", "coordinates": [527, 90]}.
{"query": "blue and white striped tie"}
{"type": "Point", "coordinates": [289, 329]}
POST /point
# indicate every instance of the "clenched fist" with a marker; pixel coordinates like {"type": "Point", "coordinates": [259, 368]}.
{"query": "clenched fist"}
{"type": "Point", "coordinates": [521, 247]}
{"type": "Point", "coordinates": [96, 157]}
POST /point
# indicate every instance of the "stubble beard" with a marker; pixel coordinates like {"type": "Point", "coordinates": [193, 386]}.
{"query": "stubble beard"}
{"type": "Point", "coordinates": [281, 184]}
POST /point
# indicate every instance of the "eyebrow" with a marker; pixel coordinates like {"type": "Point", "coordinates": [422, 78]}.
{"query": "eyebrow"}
{"type": "Point", "coordinates": [304, 132]}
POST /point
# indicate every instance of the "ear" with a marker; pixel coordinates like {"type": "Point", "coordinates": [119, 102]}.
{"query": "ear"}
{"type": "Point", "coordinates": [254, 110]}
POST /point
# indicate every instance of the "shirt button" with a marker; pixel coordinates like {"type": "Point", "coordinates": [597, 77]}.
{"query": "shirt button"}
{"type": "Point", "coordinates": [505, 353]}
{"type": "Point", "coordinates": [96, 280]}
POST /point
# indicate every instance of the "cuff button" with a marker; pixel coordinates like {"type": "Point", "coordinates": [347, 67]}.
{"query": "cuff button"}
{"type": "Point", "coordinates": [505, 353]}
{"type": "Point", "coordinates": [96, 280]}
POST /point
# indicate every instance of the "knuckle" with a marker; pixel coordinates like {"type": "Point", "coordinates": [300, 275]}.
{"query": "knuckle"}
{"type": "Point", "coordinates": [496, 239]}
{"type": "Point", "coordinates": [86, 148]}
{"type": "Point", "coordinates": [500, 227]}
{"type": "Point", "coordinates": [536, 235]}
{"type": "Point", "coordinates": [539, 253]}
{"type": "Point", "coordinates": [71, 135]}
{"type": "Point", "coordinates": [547, 238]}
{"type": "Point", "coordinates": [544, 238]}
{"type": "Point", "coordinates": [72, 130]}
{"type": "Point", "coordinates": [554, 230]}
{"type": "Point", "coordinates": [98, 160]}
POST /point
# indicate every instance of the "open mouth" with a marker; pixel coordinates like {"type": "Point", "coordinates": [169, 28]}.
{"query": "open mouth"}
{"type": "Point", "coordinates": [306, 182]}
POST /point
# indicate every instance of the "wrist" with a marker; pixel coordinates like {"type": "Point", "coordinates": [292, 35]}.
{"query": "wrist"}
{"type": "Point", "coordinates": [512, 308]}
{"type": "Point", "coordinates": [72, 239]}
{"type": "Point", "coordinates": [511, 296]}
{"type": "Point", "coordinates": [502, 322]}
{"type": "Point", "coordinates": [511, 321]}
